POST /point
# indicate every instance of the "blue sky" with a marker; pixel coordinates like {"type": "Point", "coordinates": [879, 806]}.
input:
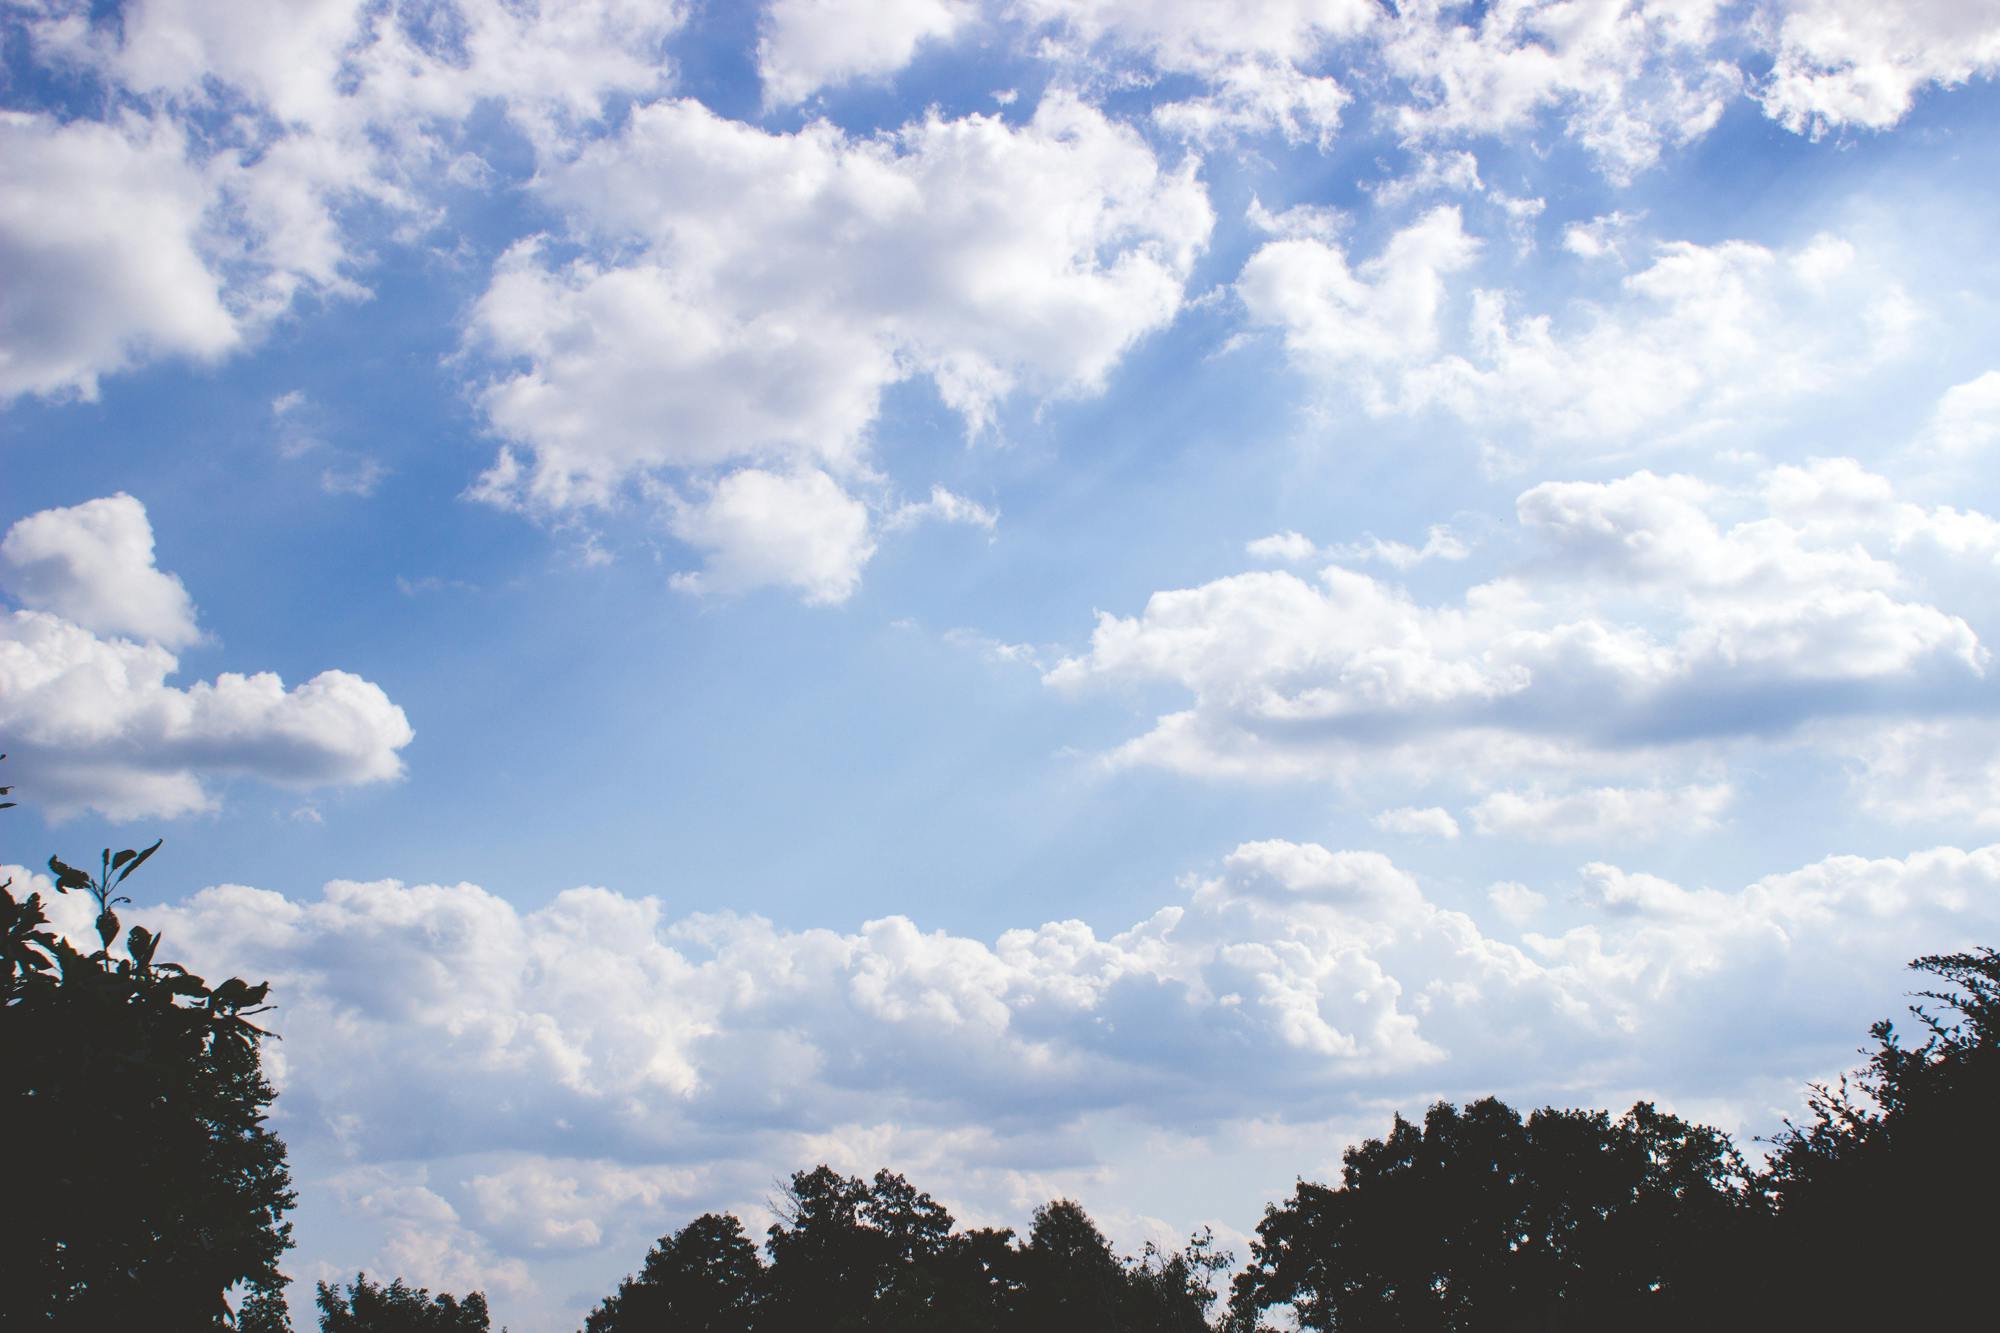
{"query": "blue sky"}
{"type": "Point", "coordinates": [1018, 590]}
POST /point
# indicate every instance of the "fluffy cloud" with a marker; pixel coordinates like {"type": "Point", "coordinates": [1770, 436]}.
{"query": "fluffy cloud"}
{"type": "Point", "coordinates": [1701, 331]}
{"type": "Point", "coordinates": [1849, 62]}
{"type": "Point", "coordinates": [1967, 418]}
{"type": "Point", "coordinates": [1600, 813]}
{"type": "Point", "coordinates": [769, 287]}
{"type": "Point", "coordinates": [812, 44]}
{"type": "Point", "coordinates": [1642, 625]}
{"type": "Point", "coordinates": [219, 183]}
{"type": "Point", "coordinates": [103, 237]}
{"type": "Point", "coordinates": [602, 1068]}
{"type": "Point", "coordinates": [1925, 772]}
{"type": "Point", "coordinates": [758, 528]}
{"type": "Point", "coordinates": [1628, 78]}
{"type": "Point", "coordinates": [1382, 312]}
{"type": "Point", "coordinates": [1428, 822]}
{"type": "Point", "coordinates": [92, 564]}
{"type": "Point", "coordinates": [91, 719]}
{"type": "Point", "coordinates": [1289, 975]}
{"type": "Point", "coordinates": [1256, 66]}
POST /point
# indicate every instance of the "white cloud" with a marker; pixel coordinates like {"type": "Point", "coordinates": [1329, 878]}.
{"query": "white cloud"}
{"type": "Point", "coordinates": [1435, 173]}
{"type": "Point", "coordinates": [782, 281]}
{"type": "Point", "coordinates": [770, 287]}
{"type": "Point", "coordinates": [1259, 67]}
{"type": "Point", "coordinates": [423, 1239]}
{"type": "Point", "coordinates": [1926, 772]}
{"type": "Point", "coordinates": [92, 722]}
{"type": "Point", "coordinates": [1700, 333]}
{"type": "Point", "coordinates": [1427, 822]}
{"type": "Point", "coordinates": [599, 1011]}
{"type": "Point", "coordinates": [1515, 901]}
{"type": "Point", "coordinates": [92, 564]}
{"type": "Point", "coordinates": [1967, 418]}
{"type": "Point", "coordinates": [1281, 548]}
{"type": "Point", "coordinates": [1384, 312]}
{"type": "Point", "coordinates": [808, 45]}
{"type": "Point", "coordinates": [1851, 62]}
{"type": "Point", "coordinates": [1628, 78]}
{"type": "Point", "coordinates": [943, 506]}
{"type": "Point", "coordinates": [219, 183]}
{"type": "Point", "coordinates": [1601, 813]}
{"type": "Point", "coordinates": [1192, 36]}
{"type": "Point", "coordinates": [1290, 548]}
{"type": "Point", "coordinates": [1604, 236]}
{"type": "Point", "coordinates": [759, 529]}
{"type": "Point", "coordinates": [580, 1051]}
{"type": "Point", "coordinates": [1440, 543]}
{"type": "Point", "coordinates": [1251, 98]}
{"type": "Point", "coordinates": [103, 240]}
{"type": "Point", "coordinates": [1643, 627]}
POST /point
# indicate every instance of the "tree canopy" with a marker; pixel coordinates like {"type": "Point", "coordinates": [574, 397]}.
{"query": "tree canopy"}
{"type": "Point", "coordinates": [370, 1307]}
{"type": "Point", "coordinates": [143, 1185]}
{"type": "Point", "coordinates": [883, 1256]}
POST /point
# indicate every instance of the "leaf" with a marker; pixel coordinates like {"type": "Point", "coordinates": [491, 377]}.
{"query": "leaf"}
{"type": "Point", "coordinates": [122, 858]}
{"type": "Point", "coordinates": [138, 860]}
{"type": "Point", "coordinates": [107, 927]}
{"type": "Point", "coordinates": [143, 943]}
{"type": "Point", "coordinates": [67, 876]}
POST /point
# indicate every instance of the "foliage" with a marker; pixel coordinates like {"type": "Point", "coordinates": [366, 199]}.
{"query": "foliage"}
{"type": "Point", "coordinates": [369, 1307]}
{"type": "Point", "coordinates": [1873, 1191]}
{"type": "Point", "coordinates": [1479, 1219]}
{"type": "Point", "coordinates": [885, 1257]}
{"type": "Point", "coordinates": [143, 1184]}
{"type": "Point", "coordinates": [705, 1278]}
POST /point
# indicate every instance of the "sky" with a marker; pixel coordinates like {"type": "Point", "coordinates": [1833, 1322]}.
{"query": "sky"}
{"type": "Point", "coordinates": [1071, 597]}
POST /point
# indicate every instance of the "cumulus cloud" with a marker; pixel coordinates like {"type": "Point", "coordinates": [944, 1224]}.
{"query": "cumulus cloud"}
{"type": "Point", "coordinates": [808, 45]}
{"type": "Point", "coordinates": [1258, 67]}
{"type": "Point", "coordinates": [1281, 548]}
{"type": "Point", "coordinates": [782, 281]}
{"type": "Point", "coordinates": [757, 529]}
{"type": "Point", "coordinates": [1599, 813]}
{"type": "Point", "coordinates": [1292, 971]}
{"type": "Point", "coordinates": [1925, 772]}
{"type": "Point", "coordinates": [1967, 418]}
{"type": "Point", "coordinates": [92, 564]}
{"type": "Point", "coordinates": [218, 183]}
{"type": "Point", "coordinates": [1384, 311]}
{"type": "Point", "coordinates": [1849, 62]}
{"type": "Point", "coordinates": [943, 506]}
{"type": "Point", "coordinates": [600, 1064]}
{"type": "Point", "coordinates": [103, 237]}
{"type": "Point", "coordinates": [84, 699]}
{"type": "Point", "coordinates": [423, 1238]}
{"type": "Point", "coordinates": [1426, 822]}
{"type": "Point", "coordinates": [1700, 333]}
{"type": "Point", "coordinates": [1642, 625]}
{"type": "Point", "coordinates": [757, 293]}
{"type": "Point", "coordinates": [1440, 543]}
{"type": "Point", "coordinates": [1627, 78]}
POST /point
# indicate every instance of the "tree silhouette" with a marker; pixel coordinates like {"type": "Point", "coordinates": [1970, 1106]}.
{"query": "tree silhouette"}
{"type": "Point", "coordinates": [1073, 1280]}
{"type": "Point", "coordinates": [142, 1184]}
{"type": "Point", "coordinates": [1885, 1195]}
{"type": "Point", "coordinates": [1480, 1220]}
{"type": "Point", "coordinates": [369, 1307]}
{"type": "Point", "coordinates": [705, 1278]}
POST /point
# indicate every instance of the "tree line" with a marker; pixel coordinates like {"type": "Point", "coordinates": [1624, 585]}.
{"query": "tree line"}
{"type": "Point", "coordinates": [145, 1190]}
